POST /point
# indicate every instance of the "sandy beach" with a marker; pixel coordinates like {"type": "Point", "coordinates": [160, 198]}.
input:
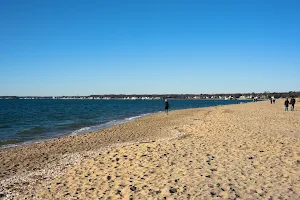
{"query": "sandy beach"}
{"type": "Point", "coordinates": [243, 151]}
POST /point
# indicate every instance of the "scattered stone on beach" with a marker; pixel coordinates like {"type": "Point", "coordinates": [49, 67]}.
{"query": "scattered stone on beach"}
{"type": "Point", "coordinates": [67, 194]}
{"type": "Point", "coordinates": [133, 188]}
{"type": "Point", "coordinates": [118, 192]}
{"type": "Point", "coordinates": [212, 193]}
{"type": "Point", "coordinates": [172, 190]}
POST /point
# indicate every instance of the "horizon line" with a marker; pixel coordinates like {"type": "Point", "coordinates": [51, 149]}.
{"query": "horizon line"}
{"type": "Point", "coordinates": [266, 92]}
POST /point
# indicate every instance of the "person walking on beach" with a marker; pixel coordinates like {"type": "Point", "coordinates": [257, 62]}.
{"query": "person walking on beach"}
{"type": "Point", "coordinates": [167, 106]}
{"type": "Point", "coordinates": [271, 100]}
{"type": "Point", "coordinates": [293, 101]}
{"type": "Point", "coordinates": [286, 104]}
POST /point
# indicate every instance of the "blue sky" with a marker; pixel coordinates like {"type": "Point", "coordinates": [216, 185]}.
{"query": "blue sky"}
{"type": "Point", "coordinates": [72, 47]}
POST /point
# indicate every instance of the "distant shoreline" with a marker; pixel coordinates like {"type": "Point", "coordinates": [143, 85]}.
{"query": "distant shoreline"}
{"type": "Point", "coordinates": [142, 99]}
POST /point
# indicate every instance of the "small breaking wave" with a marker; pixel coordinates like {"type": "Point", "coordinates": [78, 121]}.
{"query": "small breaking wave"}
{"type": "Point", "coordinates": [80, 130]}
{"type": "Point", "coordinates": [107, 124]}
{"type": "Point", "coordinates": [9, 142]}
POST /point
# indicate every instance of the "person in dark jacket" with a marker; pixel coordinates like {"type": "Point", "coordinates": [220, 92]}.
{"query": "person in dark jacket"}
{"type": "Point", "coordinates": [167, 106]}
{"type": "Point", "coordinates": [286, 104]}
{"type": "Point", "coordinates": [292, 102]}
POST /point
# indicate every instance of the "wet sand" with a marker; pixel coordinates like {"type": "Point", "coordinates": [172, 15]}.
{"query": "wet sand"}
{"type": "Point", "coordinates": [245, 151]}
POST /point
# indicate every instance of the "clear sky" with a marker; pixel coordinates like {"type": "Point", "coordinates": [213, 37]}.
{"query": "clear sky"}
{"type": "Point", "coordinates": [72, 47]}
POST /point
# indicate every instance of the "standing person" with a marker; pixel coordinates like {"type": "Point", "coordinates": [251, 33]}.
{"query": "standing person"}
{"type": "Point", "coordinates": [271, 100]}
{"type": "Point", "coordinates": [167, 106]}
{"type": "Point", "coordinates": [286, 104]}
{"type": "Point", "coordinates": [293, 101]}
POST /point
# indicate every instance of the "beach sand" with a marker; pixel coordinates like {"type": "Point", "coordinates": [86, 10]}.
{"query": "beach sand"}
{"type": "Point", "coordinates": [244, 151]}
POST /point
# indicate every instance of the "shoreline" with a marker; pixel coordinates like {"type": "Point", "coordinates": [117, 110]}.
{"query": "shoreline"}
{"type": "Point", "coordinates": [83, 130]}
{"type": "Point", "coordinates": [43, 160]}
{"type": "Point", "coordinates": [241, 130]}
{"type": "Point", "coordinates": [98, 127]}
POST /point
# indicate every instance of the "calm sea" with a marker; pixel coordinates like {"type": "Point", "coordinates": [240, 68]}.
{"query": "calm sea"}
{"type": "Point", "coordinates": [30, 121]}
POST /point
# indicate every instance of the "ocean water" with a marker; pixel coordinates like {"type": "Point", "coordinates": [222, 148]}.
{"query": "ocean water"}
{"type": "Point", "coordinates": [30, 121]}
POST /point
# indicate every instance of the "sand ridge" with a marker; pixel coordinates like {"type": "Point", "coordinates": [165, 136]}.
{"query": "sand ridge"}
{"type": "Point", "coordinates": [249, 151]}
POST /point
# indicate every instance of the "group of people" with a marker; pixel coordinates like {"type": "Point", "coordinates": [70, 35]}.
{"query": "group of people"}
{"type": "Point", "coordinates": [291, 102]}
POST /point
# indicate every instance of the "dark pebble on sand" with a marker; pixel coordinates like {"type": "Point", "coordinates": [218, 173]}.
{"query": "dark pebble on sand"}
{"type": "Point", "coordinates": [250, 158]}
{"type": "Point", "coordinates": [172, 190]}
{"type": "Point", "coordinates": [212, 193]}
{"type": "Point", "coordinates": [298, 162]}
{"type": "Point", "coordinates": [108, 178]}
{"type": "Point", "coordinates": [2, 195]}
{"type": "Point", "coordinates": [117, 159]}
{"type": "Point", "coordinates": [118, 192]}
{"type": "Point", "coordinates": [133, 188]}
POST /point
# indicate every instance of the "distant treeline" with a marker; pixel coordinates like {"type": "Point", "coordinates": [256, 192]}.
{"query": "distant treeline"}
{"type": "Point", "coordinates": [264, 95]}
{"type": "Point", "coordinates": [283, 94]}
